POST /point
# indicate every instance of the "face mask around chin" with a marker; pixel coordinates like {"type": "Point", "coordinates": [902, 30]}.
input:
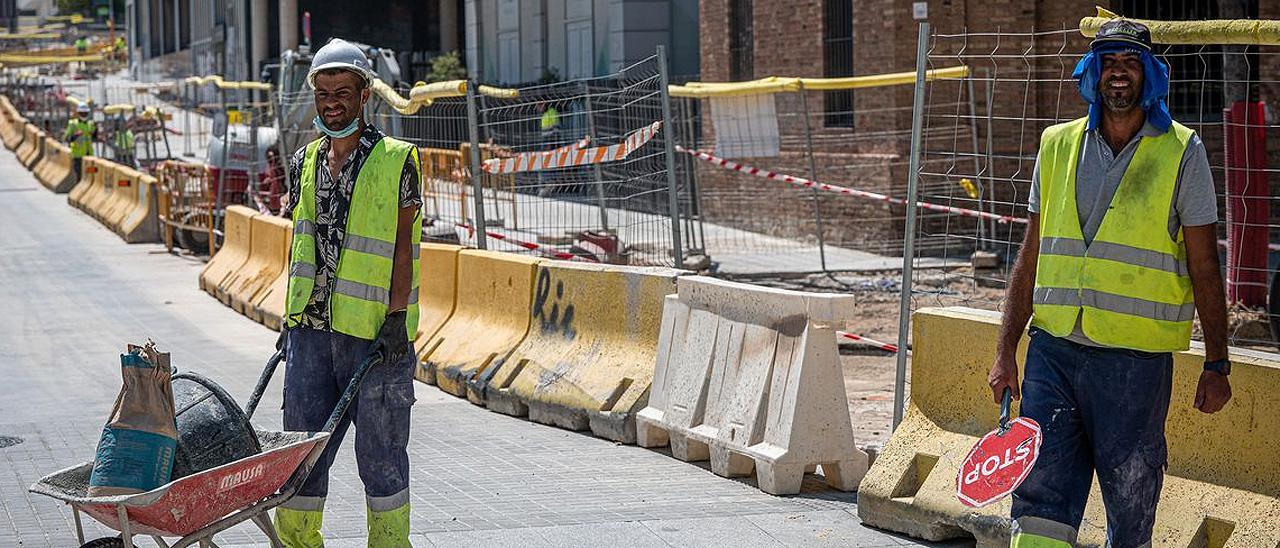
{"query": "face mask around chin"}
{"type": "Point", "coordinates": [344, 132]}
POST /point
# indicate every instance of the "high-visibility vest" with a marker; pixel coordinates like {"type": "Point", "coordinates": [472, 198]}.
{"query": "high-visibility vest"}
{"type": "Point", "coordinates": [1130, 286]}
{"type": "Point", "coordinates": [550, 119]}
{"type": "Point", "coordinates": [362, 286]}
{"type": "Point", "coordinates": [81, 145]}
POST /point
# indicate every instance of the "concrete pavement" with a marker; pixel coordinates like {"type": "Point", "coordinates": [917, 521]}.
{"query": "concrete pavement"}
{"type": "Point", "coordinates": [72, 295]}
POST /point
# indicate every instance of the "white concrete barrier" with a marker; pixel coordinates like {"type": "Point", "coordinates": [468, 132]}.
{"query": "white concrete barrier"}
{"type": "Point", "coordinates": [749, 377]}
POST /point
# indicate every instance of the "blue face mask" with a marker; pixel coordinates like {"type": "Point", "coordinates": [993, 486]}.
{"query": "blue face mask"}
{"type": "Point", "coordinates": [344, 132]}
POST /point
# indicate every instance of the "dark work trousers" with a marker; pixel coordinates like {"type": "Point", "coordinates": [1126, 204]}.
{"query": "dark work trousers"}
{"type": "Point", "coordinates": [1103, 410]}
{"type": "Point", "coordinates": [318, 368]}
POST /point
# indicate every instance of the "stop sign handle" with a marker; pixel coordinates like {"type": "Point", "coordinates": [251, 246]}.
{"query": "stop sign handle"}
{"type": "Point", "coordinates": [1006, 401]}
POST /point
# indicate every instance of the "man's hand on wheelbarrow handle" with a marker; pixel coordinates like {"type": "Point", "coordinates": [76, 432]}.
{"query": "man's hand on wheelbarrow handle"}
{"type": "Point", "coordinates": [393, 338]}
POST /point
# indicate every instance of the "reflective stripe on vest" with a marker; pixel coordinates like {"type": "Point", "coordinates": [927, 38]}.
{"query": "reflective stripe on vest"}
{"type": "Point", "coordinates": [1129, 287]}
{"type": "Point", "coordinates": [362, 284]}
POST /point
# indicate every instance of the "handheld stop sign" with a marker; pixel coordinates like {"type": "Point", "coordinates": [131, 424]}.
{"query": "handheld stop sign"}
{"type": "Point", "coordinates": [1001, 460]}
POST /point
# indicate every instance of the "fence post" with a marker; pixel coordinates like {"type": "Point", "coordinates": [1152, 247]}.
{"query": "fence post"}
{"type": "Point", "coordinates": [813, 176]}
{"type": "Point", "coordinates": [595, 166]}
{"type": "Point", "coordinates": [477, 188]}
{"type": "Point", "coordinates": [673, 193]}
{"type": "Point", "coordinates": [909, 234]}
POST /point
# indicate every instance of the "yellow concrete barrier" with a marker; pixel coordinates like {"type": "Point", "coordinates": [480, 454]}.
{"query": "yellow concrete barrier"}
{"type": "Point", "coordinates": [11, 123]}
{"type": "Point", "coordinates": [233, 253]}
{"type": "Point", "coordinates": [55, 171]}
{"type": "Point", "coordinates": [268, 258]}
{"type": "Point", "coordinates": [124, 197]}
{"type": "Point", "coordinates": [85, 187]}
{"type": "Point", "coordinates": [437, 292]}
{"type": "Point", "coordinates": [588, 359]}
{"type": "Point", "coordinates": [1220, 487]}
{"type": "Point", "coordinates": [32, 145]}
{"type": "Point", "coordinates": [490, 319]}
{"type": "Point", "coordinates": [749, 377]}
{"type": "Point", "coordinates": [105, 183]}
{"type": "Point", "coordinates": [142, 222]}
{"type": "Point", "coordinates": [268, 306]}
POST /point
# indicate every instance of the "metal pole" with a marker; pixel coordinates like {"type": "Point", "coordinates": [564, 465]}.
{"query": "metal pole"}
{"type": "Point", "coordinates": [813, 176]}
{"type": "Point", "coordinates": [220, 201]}
{"type": "Point", "coordinates": [473, 129]}
{"type": "Point", "coordinates": [973, 135]}
{"type": "Point", "coordinates": [186, 119]}
{"type": "Point", "coordinates": [673, 193]}
{"type": "Point", "coordinates": [909, 234]}
{"type": "Point", "coordinates": [595, 167]}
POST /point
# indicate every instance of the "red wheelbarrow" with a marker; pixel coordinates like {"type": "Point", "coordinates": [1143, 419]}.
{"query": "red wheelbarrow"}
{"type": "Point", "coordinates": [201, 505]}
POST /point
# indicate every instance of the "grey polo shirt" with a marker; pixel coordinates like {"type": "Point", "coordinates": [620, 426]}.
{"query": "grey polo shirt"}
{"type": "Point", "coordinates": [1098, 175]}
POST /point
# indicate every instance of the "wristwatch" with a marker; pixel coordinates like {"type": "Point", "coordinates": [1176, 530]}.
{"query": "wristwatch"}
{"type": "Point", "coordinates": [1221, 367]}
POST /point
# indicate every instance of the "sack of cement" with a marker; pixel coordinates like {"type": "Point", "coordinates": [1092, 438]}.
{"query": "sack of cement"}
{"type": "Point", "coordinates": [136, 451]}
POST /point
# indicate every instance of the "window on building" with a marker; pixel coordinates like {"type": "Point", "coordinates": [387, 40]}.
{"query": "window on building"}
{"type": "Point", "coordinates": [741, 40]}
{"type": "Point", "coordinates": [580, 42]}
{"type": "Point", "coordinates": [1197, 75]}
{"type": "Point", "coordinates": [837, 60]}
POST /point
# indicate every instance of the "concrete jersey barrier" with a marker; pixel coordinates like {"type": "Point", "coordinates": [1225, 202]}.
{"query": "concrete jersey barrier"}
{"type": "Point", "coordinates": [437, 293]}
{"type": "Point", "coordinates": [124, 197]}
{"type": "Point", "coordinates": [85, 186]}
{"type": "Point", "coordinates": [32, 147]}
{"type": "Point", "coordinates": [750, 378]}
{"type": "Point", "coordinates": [1220, 487]}
{"type": "Point", "coordinates": [142, 223]}
{"type": "Point", "coordinates": [11, 125]}
{"type": "Point", "coordinates": [588, 360]}
{"type": "Point", "coordinates": [268, 258]}
{"type": "Point", "coordinates": [234, 251]}
{"type": "Point", "coordinates": [268, 306]}
{"type": "Point", "coordinates": [105, 183]}
{"type": "Point", "coordinates": [55, 171]}
{"type": "Point", "coordinates": [490, 319]}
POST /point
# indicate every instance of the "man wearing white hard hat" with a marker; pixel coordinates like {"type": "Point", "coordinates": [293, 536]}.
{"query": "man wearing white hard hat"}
{"type": "Point", "coordinates": [353, 287]}
{"type": "Point", "coordinates": [80, 134]}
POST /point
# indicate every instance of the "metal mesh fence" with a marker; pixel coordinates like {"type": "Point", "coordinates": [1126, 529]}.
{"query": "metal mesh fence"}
{"type": "Point", "coordinates": [1021, 84]}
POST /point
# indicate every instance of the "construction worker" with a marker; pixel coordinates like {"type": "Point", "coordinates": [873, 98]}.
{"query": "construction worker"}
{"type": "Point", "coordinates": [82, 45]}
{"type": "Point", "coordinates": [80, 134]}
{"type": "Point", "coordinates": [1120, 253]}
{"type": "Point", "coordinates": [120, 51]}
{"type": "Point", "coordinates": [124, 142]}
{"type": "Point", "coordinates": [549, 126]}
{"type": "Point", "coordinates": [353, 286]}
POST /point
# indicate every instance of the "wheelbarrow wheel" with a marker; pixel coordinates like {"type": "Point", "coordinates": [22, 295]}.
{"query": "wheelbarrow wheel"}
{"type": "Point", "coordinates": [104, 542]}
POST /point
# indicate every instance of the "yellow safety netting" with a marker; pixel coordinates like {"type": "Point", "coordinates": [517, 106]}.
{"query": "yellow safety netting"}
{"type": "Point", "coordinates": [779, 84]}
{"type": "Point", "coordinates": [423, 94]}
{"type": "Point", "coordinates": [1219, 31]}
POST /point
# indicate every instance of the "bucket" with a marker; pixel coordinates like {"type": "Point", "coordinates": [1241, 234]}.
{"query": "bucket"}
{"type": "Point", "coordinates": [212, 429]}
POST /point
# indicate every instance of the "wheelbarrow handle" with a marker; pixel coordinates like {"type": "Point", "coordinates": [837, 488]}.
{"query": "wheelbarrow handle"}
{"type": "Point", "coordinates": [267, 372]}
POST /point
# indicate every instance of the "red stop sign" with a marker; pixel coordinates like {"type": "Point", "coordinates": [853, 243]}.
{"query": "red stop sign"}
{"type": "Point", "coordinates": [997, 464]}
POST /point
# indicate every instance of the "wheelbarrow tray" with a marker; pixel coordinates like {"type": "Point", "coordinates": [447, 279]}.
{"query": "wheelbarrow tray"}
{"type": "Point", "coordinates": [188, 504]}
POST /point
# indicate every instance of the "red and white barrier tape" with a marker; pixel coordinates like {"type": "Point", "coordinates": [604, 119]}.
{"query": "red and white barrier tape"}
{"type": "Point", "coordinates": [573, 154]}
{"type": "Point", "coordinates": [872, 342]}
{"type": "Point", "coordinates": [528, 245]}
{"type": "Point", "coordinates": [800, 181]}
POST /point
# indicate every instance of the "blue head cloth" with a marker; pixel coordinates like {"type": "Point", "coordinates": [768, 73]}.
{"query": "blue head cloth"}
{"type": "Point", "coordinates": [1155, 85]}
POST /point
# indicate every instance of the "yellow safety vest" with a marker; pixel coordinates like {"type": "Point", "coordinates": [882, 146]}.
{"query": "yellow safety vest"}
{"type": "Point", "coordinates": [83, 144]}
{"type": "Point", "coordinates": [1130, 287]}
{"type": "Point", "coordinates": [362, 286]}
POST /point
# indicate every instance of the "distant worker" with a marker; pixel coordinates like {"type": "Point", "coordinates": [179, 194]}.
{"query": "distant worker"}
{"type": "Point", "coordinates": [80, 134]}
{"type": "Point", "coordinates": [353, 288]}
{"type": "Point", "coordinates": [549, 128]}
{"type": "Point", "coordinates": [82, 45]}
{"type": "Point", "coordinates": [121, 49]}
{"type": "Point", "coordinates": [124, 143]}
{"type": "Point", "coordinates": [1120, 253]}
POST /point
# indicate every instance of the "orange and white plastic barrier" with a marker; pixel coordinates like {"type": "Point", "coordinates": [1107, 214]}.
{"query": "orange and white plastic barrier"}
{"type": "Point", "coordinates": [573, 155]}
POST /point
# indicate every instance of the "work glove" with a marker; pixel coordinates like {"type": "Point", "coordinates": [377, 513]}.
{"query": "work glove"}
{"type": "Point", "coordinates": [283, 340]}
{"type": "Point", "coordinates": [393, 339]}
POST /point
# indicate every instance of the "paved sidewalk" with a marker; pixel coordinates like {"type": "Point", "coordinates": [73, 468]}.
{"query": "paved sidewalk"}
{"type": "Point", "coordinates": [73, 295]}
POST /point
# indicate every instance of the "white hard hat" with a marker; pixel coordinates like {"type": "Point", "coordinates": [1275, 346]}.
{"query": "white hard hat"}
{"type": "Point", "coordinates": [340, 54]}
{"type": "Point", "coordinates": [83, 108]}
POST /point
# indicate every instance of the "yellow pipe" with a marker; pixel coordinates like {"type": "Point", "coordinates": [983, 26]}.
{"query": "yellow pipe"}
{"type": "Point", "coordinates": [423, 94]}
{"type": "Point", "coordinates": [1217, 31]}
{"type": "Point", "coordinates": [778, 84]}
